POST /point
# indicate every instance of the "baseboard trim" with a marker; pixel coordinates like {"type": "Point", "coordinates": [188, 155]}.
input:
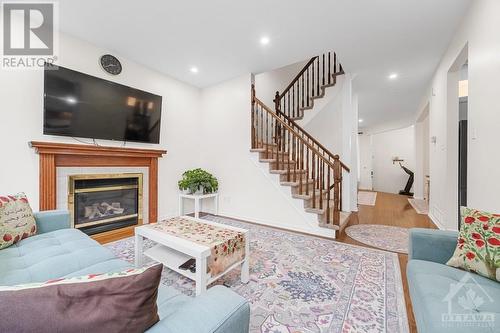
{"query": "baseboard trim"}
{"type": "Point", "coordinates": [435, 221]}
{"type": "Point", "coordinates": [263, 224]}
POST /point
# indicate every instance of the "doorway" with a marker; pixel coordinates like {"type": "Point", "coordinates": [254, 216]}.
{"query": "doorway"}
{"type": "Point", "coordinates": [365, 162]}
{"type": "Point", "coordinates": [463, 102]}
{"type": "Point", "coordinates": [456, 137]}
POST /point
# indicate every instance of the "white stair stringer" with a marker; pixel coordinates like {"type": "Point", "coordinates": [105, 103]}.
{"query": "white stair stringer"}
{"type": "Point", "coordinates": [320, 103]}
{"type": "Point", "coordinates": [309, 221]}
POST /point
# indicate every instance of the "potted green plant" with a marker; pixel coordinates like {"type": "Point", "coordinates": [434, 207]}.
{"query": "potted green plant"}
{"type": "Point", "coordinates": [198, 181]}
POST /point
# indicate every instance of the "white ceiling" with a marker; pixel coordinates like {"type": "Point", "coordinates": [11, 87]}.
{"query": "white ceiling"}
{"type": "Point", "coordinates": [221, 38]}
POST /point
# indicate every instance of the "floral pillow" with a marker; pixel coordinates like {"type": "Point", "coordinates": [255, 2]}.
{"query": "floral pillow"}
{"type": "Point", "coordinates": [478, 248]}
{"type": "Point", "coordinates": [16, 219]}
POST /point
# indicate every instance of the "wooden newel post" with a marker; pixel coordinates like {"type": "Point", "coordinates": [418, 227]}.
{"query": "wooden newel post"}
{"type": "Point", "coordinates": [277, 102]}
{"type": "Point", "coordinates": [277, 128]}
{"type": "Point", "coordinates": [337, 176]}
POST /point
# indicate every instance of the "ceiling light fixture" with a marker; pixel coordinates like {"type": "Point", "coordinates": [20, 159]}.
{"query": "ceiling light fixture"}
{"type": "Point", "coordinates": [264, 40]}
{"type": "Point", "coordinates": [194, 69]}
{"type": "Point", "coordinates": [393, 76]}
{"type": "Point", "coordinates": [360, 120]}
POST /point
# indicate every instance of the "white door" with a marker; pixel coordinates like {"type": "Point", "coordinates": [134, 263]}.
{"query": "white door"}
{"type": "Point", "coordinates": [365, 162]}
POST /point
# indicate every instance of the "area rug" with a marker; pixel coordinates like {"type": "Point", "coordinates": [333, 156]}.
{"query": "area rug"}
{"type": "Point", "coordinates": [381, 236]}
{"type": "Point", "coordinates": [306, 284]}
{"type": "Point", "coordinates": [420, 206]}
{"type": "Point", "coordinates": [367, 198]}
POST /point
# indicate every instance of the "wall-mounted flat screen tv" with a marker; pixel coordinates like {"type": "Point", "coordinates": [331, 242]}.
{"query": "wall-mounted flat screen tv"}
{"type": "Point", "coordinates": [84, 106]}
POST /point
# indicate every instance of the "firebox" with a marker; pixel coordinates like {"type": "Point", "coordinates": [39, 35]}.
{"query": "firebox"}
{"type": "Point", "coordinates": [99, 203]}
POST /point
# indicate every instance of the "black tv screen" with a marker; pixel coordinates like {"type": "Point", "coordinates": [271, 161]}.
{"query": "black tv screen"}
{"type": "Point", "coordinates": [81, 105]}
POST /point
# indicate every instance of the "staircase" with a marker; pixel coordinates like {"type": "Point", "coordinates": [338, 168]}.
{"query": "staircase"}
{"type": "Point", "coordinates": [302, 163]}
{"type": "Point", "coordinates": [319, 73]}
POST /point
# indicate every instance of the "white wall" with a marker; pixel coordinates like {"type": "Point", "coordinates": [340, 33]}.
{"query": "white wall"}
{"type": "Point", "coordinates": [246, 190]}
{"type": "Point", "coordinates": [207, 128]}
{"type": "Point", "coordinates": [479, 31]}
{"type": "Point", "coordinates": [332, 121]}
{"type": "Point", "coordinates": [326, 126]}
{"type": "Point", "coordinates": [21, 115]}
{"type": "Point", "coordinates": [422, 144]}
{"type": "Point", "coordinates": [389, 177]}
{"type": "Point", "coordinates": [349, 153]}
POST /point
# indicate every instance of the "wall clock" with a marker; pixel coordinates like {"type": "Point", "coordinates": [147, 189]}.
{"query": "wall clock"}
{"type": "Point", "coordinates": [110, 64]}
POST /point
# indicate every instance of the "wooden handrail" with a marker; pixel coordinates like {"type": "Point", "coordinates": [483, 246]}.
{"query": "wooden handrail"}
{"type": "Point", "coordinates": [313, 77]}
{"type": "Point", "coordinates": [272, 114]}
{"type": "Point", "coordinates": [309, 136]}
{"type": "Point", "coordinates": [296, 78]}
{"type": "Point", "coordinates": [317, 74]}
{"type": "Point", "coordinates": [299, 160]}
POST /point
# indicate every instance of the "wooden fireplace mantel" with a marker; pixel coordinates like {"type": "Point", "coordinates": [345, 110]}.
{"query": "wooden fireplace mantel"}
{"type": "Point", "coordinates": [53, 155]}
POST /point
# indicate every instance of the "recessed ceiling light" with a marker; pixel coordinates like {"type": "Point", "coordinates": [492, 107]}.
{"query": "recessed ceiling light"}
{"type": "Point", "coordinates": [360, 120]}
{"type": "Point", "coordinates": [264, 40]}
{"type": "Point", "coordinates": [393, 76]}
{"type": "Point", "coordinates": [194, 69]}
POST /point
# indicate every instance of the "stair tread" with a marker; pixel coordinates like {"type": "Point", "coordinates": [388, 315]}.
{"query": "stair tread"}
{"type": "Point", "coordinates": [272, 150]}
{"type": "Point", "coordinates": [306, 107]}
{"type": "Point", "coordinates": [282, 172]}
{"type": "Point", "coordinates": [273, 160]}
{"type": "Point", "coordinates": [312, 98]}
{"type": "Point", "coordinates": [296, 183]}
{"type": "Point", "coordinates": [344, 220]}
{"type": "Point", "coordinates": [315, 210]}
{"type": "Point", "coordinates": [309, 196]}
{"type": "Point", "coordinates": [318, 96]}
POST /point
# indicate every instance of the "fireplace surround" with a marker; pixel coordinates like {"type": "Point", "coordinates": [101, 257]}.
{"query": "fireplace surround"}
{"type": "Point", "coordinates": [104, 202]}
{"type": "Point", "coordinates": [54, 155]}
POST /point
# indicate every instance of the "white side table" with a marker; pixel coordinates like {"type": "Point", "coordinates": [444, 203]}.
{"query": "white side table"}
{"type": "Point", "coordinates": [198, 198]}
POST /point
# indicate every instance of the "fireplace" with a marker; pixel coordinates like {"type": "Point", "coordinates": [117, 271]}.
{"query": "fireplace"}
{"type": "Point", "coordinates": [99, 203]}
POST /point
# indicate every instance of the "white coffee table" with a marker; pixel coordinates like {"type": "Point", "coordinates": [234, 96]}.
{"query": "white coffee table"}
{"type": "Point", "coordinates": [173, 251]}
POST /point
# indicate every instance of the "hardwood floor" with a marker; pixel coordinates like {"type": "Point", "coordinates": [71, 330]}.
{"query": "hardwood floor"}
{"type": "Point", "coordinates": [394, 210]}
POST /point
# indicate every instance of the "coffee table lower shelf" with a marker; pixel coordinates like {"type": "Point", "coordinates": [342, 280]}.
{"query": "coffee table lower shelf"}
{"type": "Point", "coordinates": [172, 259]}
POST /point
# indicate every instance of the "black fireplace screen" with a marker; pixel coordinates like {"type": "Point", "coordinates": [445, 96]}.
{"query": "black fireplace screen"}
{"type": "Point", "coordinates": [103, 205]}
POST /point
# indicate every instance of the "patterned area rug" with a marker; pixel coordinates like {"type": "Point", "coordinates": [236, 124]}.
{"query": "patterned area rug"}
{"type": "Point", "coordinates": [382, 236]}
{"type": "Point", "coordinates": [420, 206]}
{"type": "Point", "coordinates": [367, 198]}
{"type": "Point", "coordinates": [306, 284]}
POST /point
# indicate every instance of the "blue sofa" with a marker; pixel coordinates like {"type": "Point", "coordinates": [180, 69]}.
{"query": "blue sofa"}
{"type": "Point", "coordinates": [60, 251]}
{"type": "Point", "coordinates": [439, 292]}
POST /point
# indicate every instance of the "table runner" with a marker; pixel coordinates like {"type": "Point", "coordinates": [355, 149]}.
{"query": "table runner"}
{"type": "Point", "coordinates": [227, 245]}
